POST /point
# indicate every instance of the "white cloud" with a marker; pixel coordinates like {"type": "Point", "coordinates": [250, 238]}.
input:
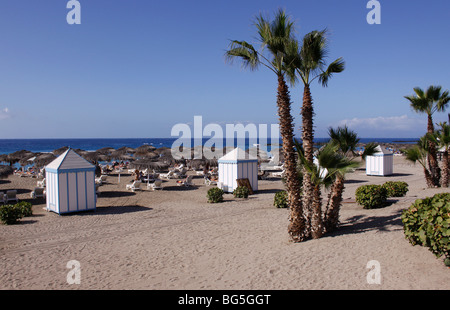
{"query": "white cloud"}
{"type": "Point", "coordinates": [4, 114]}
{"type": "Point", "coordinates": [383, 123]}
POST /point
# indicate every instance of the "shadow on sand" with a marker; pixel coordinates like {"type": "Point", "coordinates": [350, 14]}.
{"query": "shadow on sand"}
{"type": "Point", "coordinates": [361, 224]}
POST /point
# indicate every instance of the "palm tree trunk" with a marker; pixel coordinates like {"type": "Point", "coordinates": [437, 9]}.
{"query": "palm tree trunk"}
{"type": "Point", "coordinates": [432, 157]}
{"type": "Point", "coordinates": [316, 218]}
{"type": "Point", "coordinates": [428, 177]}
{"type": "Point", "coordinates": [308, 146]}
{"type": "Point", "coordinates": [331, 220]}
{"type": "Point", "coordinates": [297, 227]}
{"type": "Point", "coordinates": [444, 180]}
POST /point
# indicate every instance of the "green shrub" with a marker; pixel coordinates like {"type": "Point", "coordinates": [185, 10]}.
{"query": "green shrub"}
{"type": "Point", "coordinates": [280, 199]}
{"type": "Point", "coordinates": [427, 222]}
{"type": "Point", "coordinates": [25, 208]}
{"type": "Point", "coordinates": [241, 192]}
{"type": "Point", "coordinates": [371, 196]}
{"type": "Point", "coordinates": [214, 195]}
{"type": "Point", "coordinates": [396, 189]}
{"type": "Point", "coordinates": [9, 214]}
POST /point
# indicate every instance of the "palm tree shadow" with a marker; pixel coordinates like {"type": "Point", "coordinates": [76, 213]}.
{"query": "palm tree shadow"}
{"type": "Point", "coordinates": [360, 224]}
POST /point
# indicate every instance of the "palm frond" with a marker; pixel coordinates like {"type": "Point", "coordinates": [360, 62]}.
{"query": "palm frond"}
{"type": "Point", "coordinates": [245, 52]}
{"type": "Point", "coordinates": [336, 66]}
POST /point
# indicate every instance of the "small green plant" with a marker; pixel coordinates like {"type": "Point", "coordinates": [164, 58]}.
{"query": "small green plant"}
{"type": "Point", "coordinates": [10, 214]}
{"type": "Point", "coordinates": [25, 208]}
{"type": "Point", "coordinates": [371, 196]}
{"type": "Point", "coordinates": [396, 189]}
{"type": "Point", "coordinates": [215, 195]}
{"type": "Point", "coordinates": [427, 222]}
{"type": "Point", "coordinates": [241, 192]}
{"type": "Point", "coordinates": [280, 199]}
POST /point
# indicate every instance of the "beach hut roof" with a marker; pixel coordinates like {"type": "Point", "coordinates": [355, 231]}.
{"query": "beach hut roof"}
{"type": "Point", "coordinates": [237, 154]}
{"type": "Point", "coordinates": [382, 151]}
{"type": "Point", "coordinates": [69, 160]}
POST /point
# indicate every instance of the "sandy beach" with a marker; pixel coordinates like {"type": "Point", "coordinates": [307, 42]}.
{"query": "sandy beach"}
{"type": "Point", "coordinates": [174, 239]}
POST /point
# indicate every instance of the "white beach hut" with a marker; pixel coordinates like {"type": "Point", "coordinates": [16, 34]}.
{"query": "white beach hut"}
{"type": "Point", "coordinates": [70, 184]}
{"type": "Point", "coordinates": [381, 163]}
{"type": "Point", "coordinates": [235, 165]}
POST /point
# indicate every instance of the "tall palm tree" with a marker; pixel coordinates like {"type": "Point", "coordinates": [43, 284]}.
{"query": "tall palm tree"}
{"type": "Point", "coordinates": [441, 138]}
{"type": "Point", "coordinates": [419, 153]}
{"type": "Point", "coordinates": [430, 101]}
{"type": "Point", "coordinates": [329, 165]}
{"type": "Point", "coordinates": [309, 64]}
{"type": "Point", "coordinates": [274, 37]}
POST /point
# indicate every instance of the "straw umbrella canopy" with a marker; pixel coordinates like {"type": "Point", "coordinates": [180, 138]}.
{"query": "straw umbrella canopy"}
{"type": "Point", "coordinates": [18, 156]}
{"type": "Point", "coordinates": [44, 159]}
{"type": "Point", "coordinates": [149, 164]}
{"type": "Point", "coordinates": [5, 171]}
{"type": "Point", "coordinates": [118, 155]}
{"type": "Point", "coordinates": [106, 150]}
{"type": "Point", "coordinates": [94, 157]}
{"type": "Point", "coordinates": [60, 151]}
{"type": "Point", "coordinates": [126, 150]}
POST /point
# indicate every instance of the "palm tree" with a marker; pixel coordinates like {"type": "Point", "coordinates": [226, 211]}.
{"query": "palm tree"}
{"type": "Point", "coordinates": [419, 153]}
{"type": "Point", "coordinates": [345, 141]}
{"type": "Point", "coordinates": [274, 37]}
{"type": "Point", "coordinates": [329, 165]}
{"type": "Point", "coordinates": [430, 101]}
{"type": "Point", "coordinates": [441, 138]}
{"type": "Point", "coordinates": [308, 62]}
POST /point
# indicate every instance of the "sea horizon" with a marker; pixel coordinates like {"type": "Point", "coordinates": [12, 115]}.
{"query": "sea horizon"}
{"type": "Point", "coordinates": [43, 145]}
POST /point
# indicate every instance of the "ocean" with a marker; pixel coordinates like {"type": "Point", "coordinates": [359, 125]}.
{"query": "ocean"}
{"type": "Point", "coordinates": [47, 145]}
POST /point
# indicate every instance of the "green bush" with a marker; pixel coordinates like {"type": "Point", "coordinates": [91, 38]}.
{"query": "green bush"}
{"type": "Point", "coordinates": [371, 196]}
{"type": "Point", "coordinates": [215, 195]}
{"type": "Point", "coordinates": [427, 222]}
{"type": "Point", "coordinates": [396, 189]}
{"type": "Point", "coordinates": [25, 208]}
{"type": "Point", "coordinates": [241, 192]}
{"type": "Point", "coordinates": [9, 214]}
{"type": "Point", "coordinates": [280, 199]}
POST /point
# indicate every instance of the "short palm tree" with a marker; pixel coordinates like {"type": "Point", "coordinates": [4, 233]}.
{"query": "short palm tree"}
{"type": "Point", "coordinates": [430, 101]}
{"type": "Point", "coordinates": [329, 165]}
{"type": "Point", "coordinates": [346, 142]}
{"type": "Point", "coordinates": [309, 64]}
{"type": "Point", "coordinates": [274, 37]}
{"type": "Point", "coordinates": [419, 154]}
{"type": "Point", "coordinates": [441, 138]}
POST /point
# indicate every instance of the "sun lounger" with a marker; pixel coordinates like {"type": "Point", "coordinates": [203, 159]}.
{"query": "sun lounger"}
{"type": "Point", "coordinates": [156, 185]}
{"type": "Point", "coordinates": [209, 182]}
{"type": "Point", "coordinates": [168, 175]}
{"type": "Point", "coordinates": [186, 182]}
{"type": "Point", "coordinates": [11, 196]}
{"type": "Point", "coordinates": [38, 192]}
{"type": "Point", "coordinates": [41, 183]}
{"type": "Point", "coordinates": [135, 186]}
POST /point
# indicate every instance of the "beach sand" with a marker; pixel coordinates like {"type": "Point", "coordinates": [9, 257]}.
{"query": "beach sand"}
{"type": "Point", "coordinates": [174, 239]}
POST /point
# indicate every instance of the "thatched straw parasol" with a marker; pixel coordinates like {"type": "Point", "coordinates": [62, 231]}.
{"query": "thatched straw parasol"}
{"type": "Point", "coordinates": [5, 171]}
{"type": "Point", "coordinates": [149, 163]}
{"type": "Point", "coordinates": [94, 157]}
{"type": "Point", "coordinates": [126, 150]}
{"type": "Point", "coordinates": [106, 150]}
{"type": "Point", "coordinates": [118, 155]}
{"type": "Point", "coordinates": [60, 151]}
{"type": "Point", "coordinates": [18, 156]}
{"type": "Point", "coordinates": [43, 159]}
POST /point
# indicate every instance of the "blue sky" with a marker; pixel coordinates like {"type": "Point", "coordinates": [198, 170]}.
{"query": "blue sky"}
{"type": "Point", "coordinates": [136, 68]}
